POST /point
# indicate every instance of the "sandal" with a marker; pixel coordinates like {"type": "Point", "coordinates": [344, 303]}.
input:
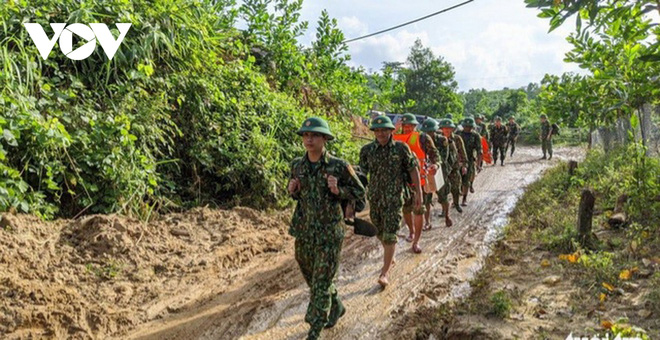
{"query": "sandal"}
{"type": "Point", "coordinates": [416, 249]}
{"type": "Point", "coordinates": [427, 227]}
{"type": "Point", "coordinates": [410, 237]}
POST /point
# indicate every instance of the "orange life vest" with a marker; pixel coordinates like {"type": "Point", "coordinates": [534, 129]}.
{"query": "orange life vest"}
{"type": "Point", "coordinates": [413, 141]}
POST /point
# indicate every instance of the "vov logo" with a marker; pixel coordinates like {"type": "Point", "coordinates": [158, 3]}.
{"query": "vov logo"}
{"type": "Point", "coordinates": [91, 33]}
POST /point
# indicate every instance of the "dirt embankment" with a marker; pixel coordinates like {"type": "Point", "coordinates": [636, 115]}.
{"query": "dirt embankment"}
{"type": "Point", "coordinates": [103, 275]}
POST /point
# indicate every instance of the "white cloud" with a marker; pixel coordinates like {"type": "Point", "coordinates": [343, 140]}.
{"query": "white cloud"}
{"type": "Point", "coordinates": [490, 43]}
{"type": "Point", "coordinates": [352, 26]}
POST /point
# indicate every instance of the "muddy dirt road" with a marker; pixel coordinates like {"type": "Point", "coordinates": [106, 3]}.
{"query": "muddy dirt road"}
{"type": "Point", "coordinates": [268, 298]}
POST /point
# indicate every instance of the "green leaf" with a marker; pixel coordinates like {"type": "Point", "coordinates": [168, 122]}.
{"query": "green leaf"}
{"type": "Point", "coordinates": [634, 121]}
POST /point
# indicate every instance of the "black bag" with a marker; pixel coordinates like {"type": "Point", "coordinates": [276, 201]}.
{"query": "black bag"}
{"type": "Point", "coordinates": [555, 129]}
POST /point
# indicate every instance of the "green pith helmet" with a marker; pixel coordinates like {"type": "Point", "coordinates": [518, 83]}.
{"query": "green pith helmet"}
{"type": "Point", "coordinates": [409, 118]}
{"type": "Point", "coordinates": [429, 125]}
{"type": "Point", "coordinates": [482, 117]}
{"type": "Point", "coordinates": [468, 122]}
{"type": "Point", "coordinates": [543, 116]}
{"type": "Point", "coordinates": [381, 122]}
{"type": "Point", "coordinates": [316, 124]}
{"type": "Point", "coordinates": [512, 117]}
{"type": "Point", "coordinates": [449, 116]}
{"type": "Point", "coordinates": [446, 123]}
{"type": "Point", "coordinates": [498, 119]}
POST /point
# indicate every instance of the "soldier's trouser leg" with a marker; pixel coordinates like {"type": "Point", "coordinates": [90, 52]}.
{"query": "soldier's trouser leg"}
{"type": "Point", "coordinates": [319, 262]}
{"type": "Point", "coordinates": [546, 145]}
{"type": "Point", "coordinates": [512, 144]}
{"type": "Point", "coordinates": [502, 149]}
{"type": "Point", "coordinates": [455, 180]}
{"type": "Point", "coordinates": [468, 178]}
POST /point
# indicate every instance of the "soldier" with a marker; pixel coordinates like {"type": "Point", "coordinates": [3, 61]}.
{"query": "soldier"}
{"type": "Point", "coordinates": [427, 155]}
{"type": "Point", "coordinates": [389, 164]}
{"type": "Point", "coordinates": [458, 163]}
{"type": "Point", "coordinates": [319, 182]}
{"type": "Point", "coordinates": [498, 136]}
{"type": "Point", "coordinates": [430, 126]}
{"type": "Point", "coordinates": [514, 130]}
{"type": "Point", "coordinates": [546, 136]}
{"type": "Point", "coordinates": [472, 142]}
{"type": "Point", "coordinates": [482, 130]}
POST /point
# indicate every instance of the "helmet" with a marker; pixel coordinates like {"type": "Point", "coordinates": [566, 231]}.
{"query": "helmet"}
{"type": "Point", "coordinates": [409, 118]}
{"type": "Point", "coordinates": [512, 117]}
{"type": "Point", "coordinates": [381, 122]}
{"type": "Point", "coordinates": [468, 122]}
{"type": "Point", "coordinates": [446, 123]}
{"type": "Point", "coordinates": [544, 116]}
{"type": "Point", "coordinates": [449, 116]}
{"type": "Point", "coordinates": [497, 119]}
{"type": "Point", "coordinates": [316, 124]}
{"type": "Point", "coordinates": [429, 125]}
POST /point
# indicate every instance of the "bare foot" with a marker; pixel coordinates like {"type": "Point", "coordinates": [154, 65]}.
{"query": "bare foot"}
{"type": "Point", "coordinates": [448, 222]}
{"type": "Point", "coordinates": [383, 281]}
{"type": "Point", "coordinates": [416, 249]}
{"type": "Point", "coordinates": [410, 237]}
{"type": "Point", "coordinates": [427, 226]}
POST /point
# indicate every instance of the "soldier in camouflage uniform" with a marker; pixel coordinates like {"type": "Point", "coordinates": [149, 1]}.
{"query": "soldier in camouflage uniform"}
{"type": "Point", "coordinates": [319, 182]}
{"type": "Point", "coordinates": [415, 218]}
{"type": "Point", "coordinates": [458, 162]}
{"type": "Point", "coordinates": [546, 136]}
{"type": "Point", "coordinates": [473, 151]}
{"type": "Point", "coordinates": [498, 137]}
{"type": "Point", "coordinates": [389, 165]}
{"type": "Point", "coordinates": [430, 126]}
{"type": "Point", "coordinates": [514, 130]}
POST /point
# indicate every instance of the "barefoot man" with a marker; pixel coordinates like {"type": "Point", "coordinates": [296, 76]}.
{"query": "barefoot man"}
{"type": "Point", "coordinates": [319, 182]}
{"type": "Point", "coordinates": [427, 155]}
{"type": "Point", "coordinates": [389, 165]}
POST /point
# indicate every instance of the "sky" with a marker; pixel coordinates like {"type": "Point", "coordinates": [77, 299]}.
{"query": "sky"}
{"type": "Point", "coordinates": [492, 44]}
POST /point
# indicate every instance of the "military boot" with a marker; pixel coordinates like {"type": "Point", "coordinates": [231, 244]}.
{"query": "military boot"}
{"type": "Point", "coordinates": [336, 312]}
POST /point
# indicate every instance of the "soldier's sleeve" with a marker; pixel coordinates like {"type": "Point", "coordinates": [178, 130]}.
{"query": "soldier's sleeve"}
{"type": "Point", "coordinates": [294, 174]}
{"type": "Point", "coordinates": [350, 186]}
{"type": "Point", "coordinates": [364, 161]}
{"type": "Point", "coordinates": [460, 146]}
{"type": "Point", "coordinates": [431, 150]}
{"type": "Point", "coordinates": [478, 147]}
{"type": "Point", "coordinates": [408, 158]}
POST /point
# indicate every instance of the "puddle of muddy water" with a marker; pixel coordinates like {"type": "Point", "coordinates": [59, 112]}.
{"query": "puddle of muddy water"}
{"type": "Point", "coordinates": [469, 268]}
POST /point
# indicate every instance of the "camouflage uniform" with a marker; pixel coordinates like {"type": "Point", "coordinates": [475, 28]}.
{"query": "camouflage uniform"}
{"type": "Point", "coordinates": [443, 150]}
{"type": "Point", "coordinates": [498, 138]}
{"type": "Point", "coordinates": [432, 157]}
{"type": "Point", "coordinates": [388, 169]}
{"type": "Point", "coordinates": [455, 176]}
{"type": "Point", "coordinates": [318, 226]}
{"type": "Point", "coordinates": [514, 130]}
{"type": "Point", "coordinates": [472, 142]}
{"type": "Point", "coordinates": [546, 145]}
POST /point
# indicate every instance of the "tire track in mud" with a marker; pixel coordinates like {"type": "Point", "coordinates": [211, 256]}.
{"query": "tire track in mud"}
{"type": "Point", "coordinates": [269, 298]}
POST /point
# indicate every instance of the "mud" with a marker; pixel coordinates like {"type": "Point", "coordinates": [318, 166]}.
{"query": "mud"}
{"type": "Point", "coordinates": [103, 275]}
{"type": "Point", "coordinates": [268, 297]}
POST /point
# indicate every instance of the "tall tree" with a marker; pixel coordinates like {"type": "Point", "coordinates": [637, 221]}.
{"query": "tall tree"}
{"type": "Point", "coordinates": [429, 82]}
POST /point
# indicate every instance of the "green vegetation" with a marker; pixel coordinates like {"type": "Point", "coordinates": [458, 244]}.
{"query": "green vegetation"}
{"type": "Point", "coordinates": [500, 304]}
{"type": "Point", "coordinates": [424, 85]}
{"type": "Point", "coordinates": [190, 111]}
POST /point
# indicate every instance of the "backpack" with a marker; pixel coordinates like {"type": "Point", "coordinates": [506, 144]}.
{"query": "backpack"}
{"type": "Point", "coordinates": [555, 129]}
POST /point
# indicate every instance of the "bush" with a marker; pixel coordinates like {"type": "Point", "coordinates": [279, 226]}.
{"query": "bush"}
{"type": "Point", "coordinates": [183, 115]}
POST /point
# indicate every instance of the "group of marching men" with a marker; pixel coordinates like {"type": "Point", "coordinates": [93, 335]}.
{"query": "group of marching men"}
{"type": "Point", "coordinates": [399, 171]}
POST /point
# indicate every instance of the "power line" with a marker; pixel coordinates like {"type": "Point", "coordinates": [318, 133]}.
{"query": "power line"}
{"type": "Point", "coordinates": [409, 22]}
